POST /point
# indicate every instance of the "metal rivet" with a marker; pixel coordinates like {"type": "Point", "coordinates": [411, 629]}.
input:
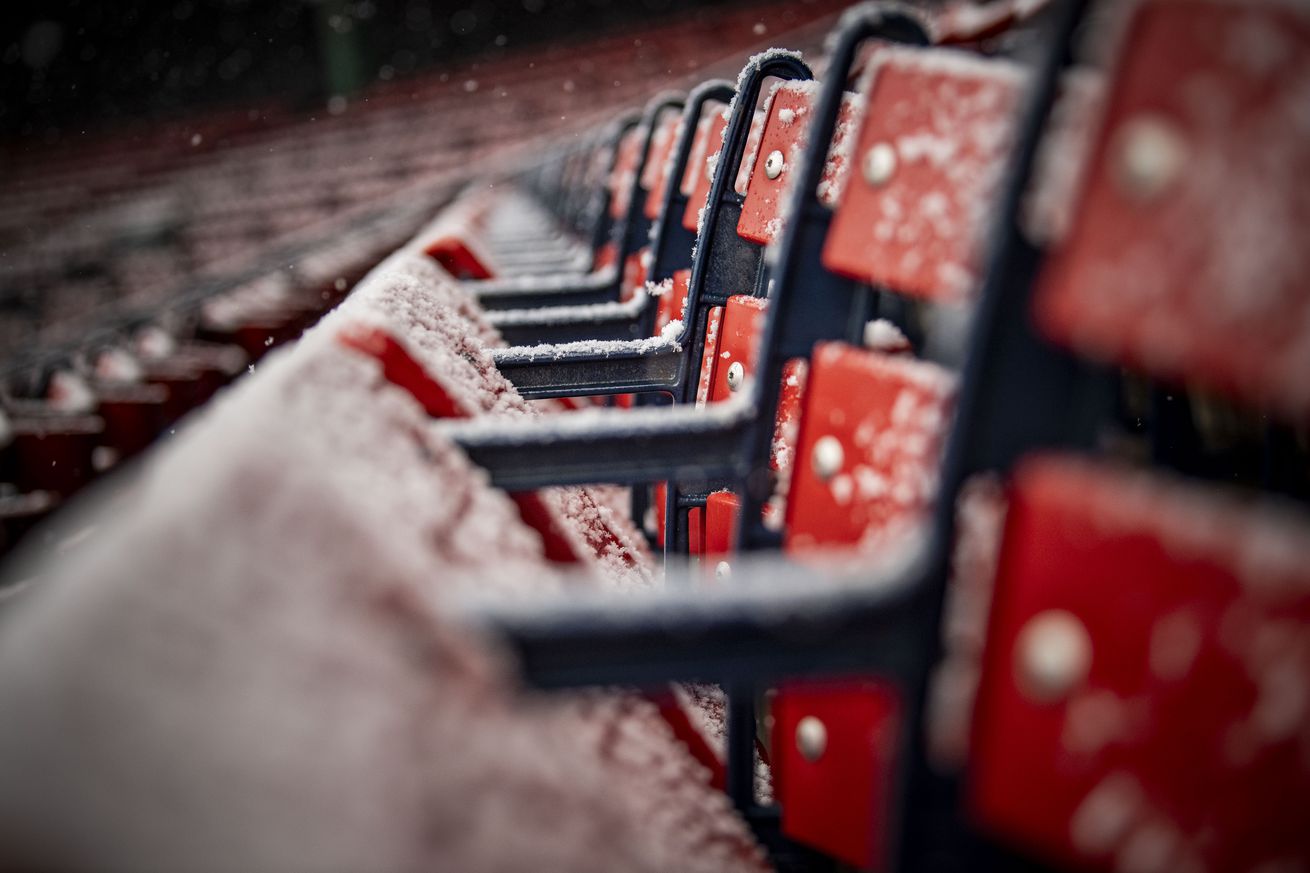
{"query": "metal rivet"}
{"type": "Point", "coordinates": [736, 376]}
{"type": "Point", "coordinates": [773, 164]}
{"type": "Point", "coordinates": [879, 164]}
{"type": "Point", "coordinates": [1053, 654]}
{"type": "Point", "coordinates": [1149, 155]}
{"type": "Point", "coordinates": [811, 738]}
{"type": "Point", "coordinates": [722, 570]}
{"type": "Point", "coordinates": [828, 456]}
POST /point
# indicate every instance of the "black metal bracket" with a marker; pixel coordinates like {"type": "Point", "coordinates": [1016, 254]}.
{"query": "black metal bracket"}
{"type": "Point", "coordinates": [618, 446]}
{"type": "Point", "coordinates": [566, 324]}
{"type": "Point", "coordinates": [790, 620]}
{"type": "Point", "coordinates": [572, 372]}
{"type": "Point", "coordinates": [537, 291]}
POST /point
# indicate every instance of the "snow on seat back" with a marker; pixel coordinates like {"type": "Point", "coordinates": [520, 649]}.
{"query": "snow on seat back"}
{"type": "Point", "coordinates": [870, 441]}
{"type": "Point", "coordinates": [655, 175]}
{"type": "Point", "coordinates": [728, 367]}
{"type": "Point", "coordinates": [735, 361]}
{"type": "Point", "coordinates": [752, 148]}
{"type": "Point", "coordinates": [654, 164]}
{"type": "Point", "coordinates": [788, 114]}
{"type": "Point", "coordinates": [701, 166]}
{"type": "Point", "coordinates": [709, 135]}
{"type": "Point", "coordinates": [937, 129]}
{"type": "Point", "coordinates": [257, 649]}
{"type": "Point", "coordinates": [1187, 256]}
{"type": "Point", "coordinates": [673, 302]}
{"type": "Point", "coordinates": [402, 316]}
{"type": "Point", "coordinates": [1143, 700]}
{"type": "Point", "coordinates": [625, 171]}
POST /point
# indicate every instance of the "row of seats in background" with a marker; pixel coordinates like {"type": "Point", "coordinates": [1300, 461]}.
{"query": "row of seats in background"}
{"type": "Point", "coordinates": [124, 260]}
{"type": "Point", "coordinates": [961, 391]}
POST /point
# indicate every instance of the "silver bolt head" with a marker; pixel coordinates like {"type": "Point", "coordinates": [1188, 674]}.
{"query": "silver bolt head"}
{"type": "Point", "coordinates": [1053, 653]}
{"type": "Point", "coordinates": [811, 738]}
{"type": "Point", "coordinates": [827, 456]}
{"type": "Point", "coordinates": [1149, 154]}
{"type": "Point", "coordinates": [722, 570]}
{"type": "Point", "coordinates": [774, 164]}
{"type": "Point", "coordinates": [736, 376]}
{"type": "Point", "coordinates": [879, 164]}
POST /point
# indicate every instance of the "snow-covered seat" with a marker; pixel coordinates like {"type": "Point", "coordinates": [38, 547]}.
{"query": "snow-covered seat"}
{"type": "Point", "coordinates": [50, 449]}
{"type": "Point", "coordinates": [258, 316]}
{"type": "Point", "coordinates": [1185, 255]}
{"type": "Point", "coordinates": [300, 700]}
{"type": "Point", "coordinates": [432, 342]}
{"type": "Point", "coordinates": [934, 140]}
{"type": "Point", "coordinates": [1140, 675]}
{"type": "Point", "coordinates": [1142, 672]}
{"type": "Point", "coordinates": [192, 371]}
{"type": "Point", "coordinates": [134, 411]}
{"type": "Point", "coordinates": [275, 308]}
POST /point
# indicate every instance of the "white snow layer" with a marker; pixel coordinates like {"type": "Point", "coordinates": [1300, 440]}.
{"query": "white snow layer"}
{"type": "Point", "coordinates": [249, 667]}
